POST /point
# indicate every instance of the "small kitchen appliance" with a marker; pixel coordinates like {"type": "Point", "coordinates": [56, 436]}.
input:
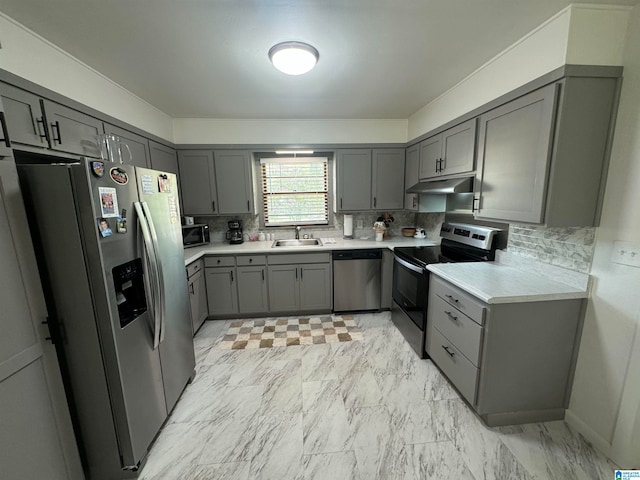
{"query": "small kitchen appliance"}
{"type": "Point", "coordinates": [234, 234]}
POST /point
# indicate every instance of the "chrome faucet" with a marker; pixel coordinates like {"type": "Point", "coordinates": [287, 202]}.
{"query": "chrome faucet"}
{"type": "Point", "coordinates": [298, 228]}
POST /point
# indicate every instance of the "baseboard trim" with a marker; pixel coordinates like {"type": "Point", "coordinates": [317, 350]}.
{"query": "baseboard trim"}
{"type": "Point", "coordinates": [597, 440]}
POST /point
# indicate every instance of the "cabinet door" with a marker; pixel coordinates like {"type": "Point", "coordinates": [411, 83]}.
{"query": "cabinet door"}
{"type": "Point", "coordinates": [162, 157]}
{"type": "Point", "coordinates": [388, 179]}
{"type": "Point", "coordinates": [354, 180]}
{"type": "Point", "coordinates": [513, 157]}
{"type": "Point", "coordinates": [284, 289]}
{"type": "Point", "coordinates": [71, 131]}
{"type": "Point", "coordinates": [134, 148]}
{"type": "Point", "coordinates": [411, 176]}
{"type": "Point", "coordinates": [458, 148]}
{"type": "Point", "coordinates": [233, 181]}
{"type": "Point", "coordinates": [23, 116]}
{"type": "Point", "coordinates": [198, 300]}
{"type": "Point", "coordinates": [430, 155]}
{"type": "Point", "coordinates": [315, 287]}
{"type": "Point", "coordinates": [222, 293]}
{"type": "Point", "coordinates": [252, 290]}
{"type": "Point", "coordinates": [197, 182]}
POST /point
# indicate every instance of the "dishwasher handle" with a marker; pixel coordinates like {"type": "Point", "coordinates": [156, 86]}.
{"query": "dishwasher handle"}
{"type": "Point", "coordinates": [357, 255]}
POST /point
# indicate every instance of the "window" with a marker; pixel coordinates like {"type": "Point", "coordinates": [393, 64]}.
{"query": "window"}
{"type": "Point", "coordinates": [295, 191]}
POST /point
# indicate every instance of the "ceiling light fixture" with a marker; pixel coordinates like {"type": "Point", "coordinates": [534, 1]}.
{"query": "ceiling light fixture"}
{"type": "Point", "coordinates": [294, 152]}
{"type": "Point", "coordinates": [293, 58]}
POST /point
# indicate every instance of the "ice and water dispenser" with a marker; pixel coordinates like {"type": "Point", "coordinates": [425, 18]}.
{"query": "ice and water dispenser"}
{"type": "Point", "coordinates": [128, 280]}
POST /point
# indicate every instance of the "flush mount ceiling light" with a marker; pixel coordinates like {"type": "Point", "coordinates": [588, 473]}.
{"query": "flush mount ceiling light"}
{"type": "Point", "coordinates": [293, 58]}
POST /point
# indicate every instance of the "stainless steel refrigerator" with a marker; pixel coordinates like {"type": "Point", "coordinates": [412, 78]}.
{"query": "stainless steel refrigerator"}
{"type": "Point", "coordinates": [109, 246]}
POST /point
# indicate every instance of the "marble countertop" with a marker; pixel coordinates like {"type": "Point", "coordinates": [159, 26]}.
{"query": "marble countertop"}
{"type": "Point", "coordinates": [494, 282]}
{"type": "Point", "coordinates": [194, 253]}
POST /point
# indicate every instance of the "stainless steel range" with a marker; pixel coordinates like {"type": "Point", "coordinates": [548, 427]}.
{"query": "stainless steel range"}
{"type": "Point", "coordinates": [460, 243]}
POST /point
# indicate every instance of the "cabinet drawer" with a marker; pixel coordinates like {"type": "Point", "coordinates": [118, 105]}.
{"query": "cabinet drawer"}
{"type": "Point", "coordinates": [219, 261]}
{"type": "Point", "coordinates": [461, 300]}
{"type": "Point", "coordinates": [247, 260]}
{"type": "Point", "coordinates": [194, 268]}
{"type": "Point", "coordinates": [462, 373]}
{"type": "Point", "coordinates": [463, 332]}
{"type": "Point", "coordinates": [295, 258]}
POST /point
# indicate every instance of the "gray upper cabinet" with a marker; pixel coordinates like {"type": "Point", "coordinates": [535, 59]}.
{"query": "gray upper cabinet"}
{"type": "Point", "coordinates": [162, 157]}
{"type": "Point", "coordinates": [35, 122]}
{"type": "Point", "coordinates": [71, 131]}
{"type": "Point", "coordinates": [411, 176]}
{"type": "Point", "coordinates": [388, 179]}
{"type": "Point", "coordinates": [353, 180]}
{"type": "Point", "coordinates": [197, 182]}
{"type": "Point", "coordinates": [370, 180]}
{"type": "Point", "coordinates": [23, 117]}
{"type": "Point", "coordinates": [542, 158]}
{"type": "Point", "coordinates": [134, 148]}
{"type": "Point", "coordinates": [233, 181]}
{"type": "Point", "coordinates": [450, 152]}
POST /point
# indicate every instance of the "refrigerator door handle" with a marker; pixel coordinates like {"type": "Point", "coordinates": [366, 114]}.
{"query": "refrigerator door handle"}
{"type": "Point", "coordinates": [151, 256]}
{"type": "Point", "coordinates": [156, 249]}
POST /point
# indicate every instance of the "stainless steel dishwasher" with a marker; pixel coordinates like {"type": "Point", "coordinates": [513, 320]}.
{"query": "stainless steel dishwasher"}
{"type": "Point", "coordinates": [356, 280]}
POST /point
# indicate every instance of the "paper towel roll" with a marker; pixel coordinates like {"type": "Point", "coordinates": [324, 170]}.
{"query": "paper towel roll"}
{"type": "Point", "coordinates": [348, 226]}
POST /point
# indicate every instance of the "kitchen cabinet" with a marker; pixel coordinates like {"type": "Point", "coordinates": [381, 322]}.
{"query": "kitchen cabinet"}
{"type": "Point", "coordinates": [216, 182]}
{"type": "Point", "coordinates": [222, 290]}
{"type": "Point", "coordinates": [36, 122]}
{"type": "Point", "coordinates": [411, 176]}
{"type": "Point", "coordinates": [511, 361]}
{"type": "Point", "coordinates": [134, 148]}
{"type": "Point", "coordinates": [369, 179]}
{"type": "Point", "coordinates": [252, 284]}
{"type": "Point", "coordinates": [450, 152]}
{"type": "Point", "coordinates": [162, 157]}
{"type": "Point", "coordinates": [197, 294]}
{"type": "Point", "coordinates": [542, 158]}
{"type": "Point", "coordinates": [299, 283]}
{"type": "Point", "coordinates": [197, 182]}
{"type": "Point", "coordinates": [233, 181]}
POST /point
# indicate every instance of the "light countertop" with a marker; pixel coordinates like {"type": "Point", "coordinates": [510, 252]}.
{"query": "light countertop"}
{"type": "Point", "coordinates": [194, 253]}
{"type": "Point", "coordinates": [494, 282]}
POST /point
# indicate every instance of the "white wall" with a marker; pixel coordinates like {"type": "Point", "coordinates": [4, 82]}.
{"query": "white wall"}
{"type": "Point", "coordinates": [297, 132]}
{"type": "Point", "coordinates": [605, 402]}
{"type": "Point", "coordinates": [31, 57]}
{"type": "Point", "coordinates": [578, 34]}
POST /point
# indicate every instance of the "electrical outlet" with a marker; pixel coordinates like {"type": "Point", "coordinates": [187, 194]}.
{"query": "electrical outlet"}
{"type": "Point", "coordinates": [360, 224]}
{"type": "Point", "coordinates": [626, 253]}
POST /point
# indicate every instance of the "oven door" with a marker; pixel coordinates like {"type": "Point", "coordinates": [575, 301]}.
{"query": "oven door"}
{"type": "Point", "coordinates": [410, 290]}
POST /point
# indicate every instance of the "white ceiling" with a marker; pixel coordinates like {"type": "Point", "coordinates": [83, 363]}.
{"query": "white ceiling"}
{"type": "Point", "coordinates": [208, 58]}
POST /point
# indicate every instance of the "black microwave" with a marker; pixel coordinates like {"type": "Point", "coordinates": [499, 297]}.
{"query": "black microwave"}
{"type": "Point", "coordinates": [194, 235]}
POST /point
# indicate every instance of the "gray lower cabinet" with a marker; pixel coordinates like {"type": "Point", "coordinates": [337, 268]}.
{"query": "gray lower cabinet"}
{"type": "Point", "coordinates": [222, 290]}
{"type": "Point", "coordinates": [197, 182]}
{"type": "Point", "coordinates": [197, 294]}
{"type": "Point", "coordinates": [134, 149]}
{"type": "Point", "coordinates": [512, 361]}
{"type": "Point", "coordinates": [369, 179]}
{"type": "Point", "coordinates": [542, 158]}
{"type": "Point", "coordinates": [252, 284]}
{"type": "Point", "coordinates": [300, 283]}
{"type": "Point", "coordinates": [451, 152]}
{"type": "Point", "coordinates": [162, 157]}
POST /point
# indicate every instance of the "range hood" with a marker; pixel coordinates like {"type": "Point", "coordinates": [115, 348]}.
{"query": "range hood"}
{"type": "Point", "coordinates": [452, 185]}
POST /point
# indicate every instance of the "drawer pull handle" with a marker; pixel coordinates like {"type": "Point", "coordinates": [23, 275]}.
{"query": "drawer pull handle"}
{"type": "Point", "coordinates": [450, 297]}
{"type": "Point", "coordinates": [452, 317]}
{"type": "Point", "coordinates": [446, 349]}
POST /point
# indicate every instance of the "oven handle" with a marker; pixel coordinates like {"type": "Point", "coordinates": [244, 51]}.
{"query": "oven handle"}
{"type": "Point", "coordinates": [408, 265]}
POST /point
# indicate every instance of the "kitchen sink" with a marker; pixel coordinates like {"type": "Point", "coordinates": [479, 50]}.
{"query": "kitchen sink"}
{"type": "Point", "coordinates": [305, 242]}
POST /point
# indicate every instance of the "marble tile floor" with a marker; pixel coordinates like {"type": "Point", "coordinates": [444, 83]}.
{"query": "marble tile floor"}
{"type": "Point", "coordinates": [369, 409]}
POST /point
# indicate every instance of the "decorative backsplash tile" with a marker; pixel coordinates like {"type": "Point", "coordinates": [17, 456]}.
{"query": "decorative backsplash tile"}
{"type": "Point", "coordinates": [568, 247]}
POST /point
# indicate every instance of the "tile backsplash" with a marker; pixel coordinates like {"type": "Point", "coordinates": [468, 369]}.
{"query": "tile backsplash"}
{"type": "Point", "coordinates": [431, 223]}
{"type": "Point", "coordinates": [568, 247]}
